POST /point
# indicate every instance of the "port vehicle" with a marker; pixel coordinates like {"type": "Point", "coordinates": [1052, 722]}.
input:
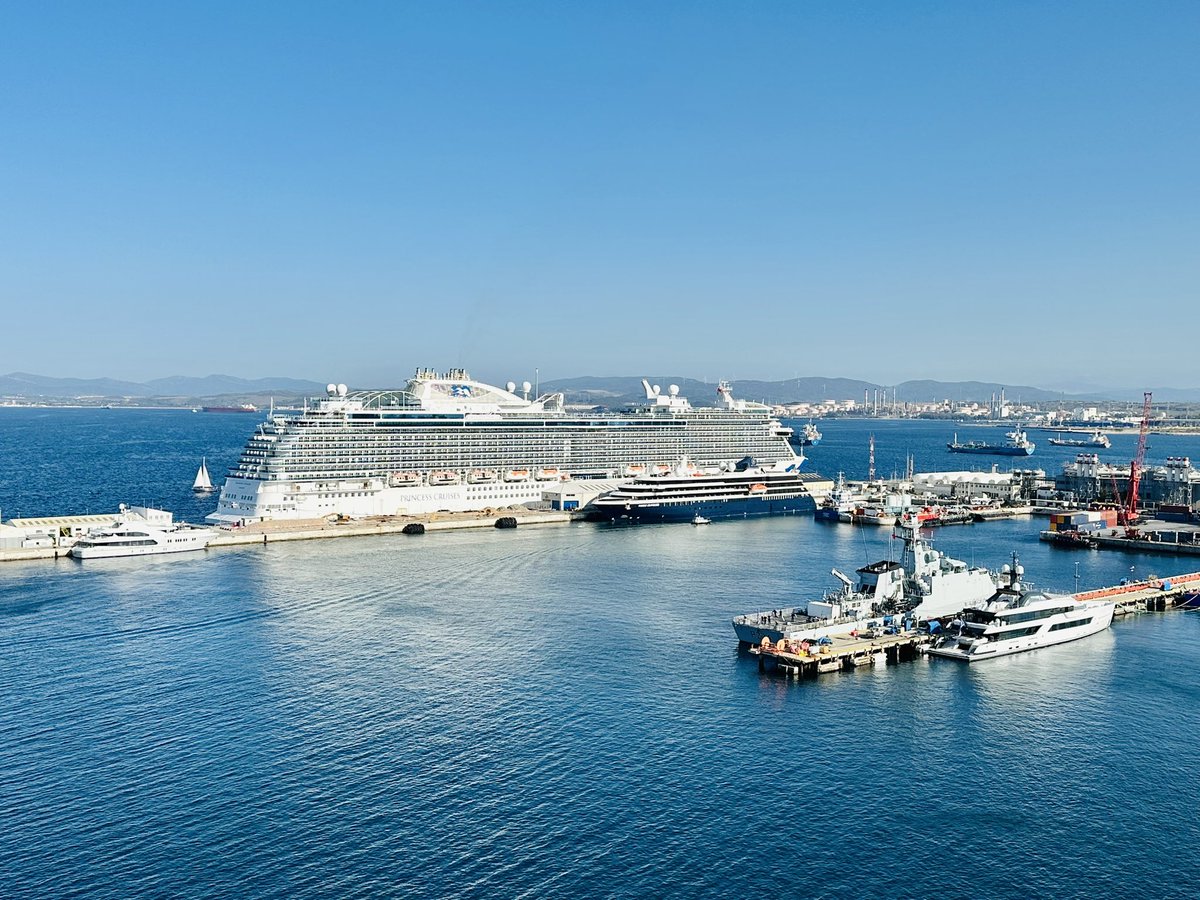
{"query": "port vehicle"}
{"type": "Point", "coordinates": [140, 531]}
{"type": "Point", "coordinates": [1017, 619]}
{"type": "Point", "coordinates": [742, 491]}
{"type": "Point", "coordinates": [1016, 444]}
{"type": "Point", "coordinates": [338, 453]}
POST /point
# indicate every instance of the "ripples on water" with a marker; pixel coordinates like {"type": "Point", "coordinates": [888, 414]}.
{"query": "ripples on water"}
{"type": "Point", "coordinates": [563, 712]}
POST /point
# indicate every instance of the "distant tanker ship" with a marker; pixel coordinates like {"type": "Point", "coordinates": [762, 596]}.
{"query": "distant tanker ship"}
{"type": "Point", "coordinates": [243, 408]}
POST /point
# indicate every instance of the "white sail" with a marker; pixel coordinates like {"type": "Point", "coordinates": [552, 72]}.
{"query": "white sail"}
{"type": "Point", "coordinates": [202, 482]}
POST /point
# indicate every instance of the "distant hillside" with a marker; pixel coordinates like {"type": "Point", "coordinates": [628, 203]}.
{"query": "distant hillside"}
{"type": "Point", "coordinates": [600, 390]}
{"type": "Point", "coordinates": [618, 390]}
{"type": "Point", "coordinates": [979, 391]}
{"type": "Point", "coordinates": [22, 384]}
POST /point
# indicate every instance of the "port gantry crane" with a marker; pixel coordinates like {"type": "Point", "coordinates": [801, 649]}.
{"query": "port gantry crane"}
{"type": "Point", "coordinates": [1135, 467]}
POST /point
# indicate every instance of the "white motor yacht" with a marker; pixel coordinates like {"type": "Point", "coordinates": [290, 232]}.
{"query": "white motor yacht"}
{"type": "Point", "coordinates": [1017, 619]}
{"type": "Point", "coordinates": [140, 531]}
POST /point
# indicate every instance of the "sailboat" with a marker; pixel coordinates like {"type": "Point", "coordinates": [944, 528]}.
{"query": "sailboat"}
{"type": "Point", "coordinates": [202, 484]}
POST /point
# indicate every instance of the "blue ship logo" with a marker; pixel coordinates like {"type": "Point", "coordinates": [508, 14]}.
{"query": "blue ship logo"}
{"type": "Point", "coordinates": [460, 390]}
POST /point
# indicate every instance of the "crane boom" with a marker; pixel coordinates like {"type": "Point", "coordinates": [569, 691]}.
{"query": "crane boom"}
{"type": "Point", "coordinates": [1139, 459]}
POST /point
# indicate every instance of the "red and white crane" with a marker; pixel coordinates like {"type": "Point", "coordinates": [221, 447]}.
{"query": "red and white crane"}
{"type": "Point", "coordinates": [1135, 467]}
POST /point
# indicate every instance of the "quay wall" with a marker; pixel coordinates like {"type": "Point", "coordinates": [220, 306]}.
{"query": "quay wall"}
{"type": "Point", "coordinates": [318, 529]}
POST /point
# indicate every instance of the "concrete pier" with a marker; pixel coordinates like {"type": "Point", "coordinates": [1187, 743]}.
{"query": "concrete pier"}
{"type": "Point", "coordinates": [316, 529]}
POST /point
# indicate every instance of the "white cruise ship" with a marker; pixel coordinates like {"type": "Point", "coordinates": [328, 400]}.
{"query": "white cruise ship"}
{"type": "Point", "coordinates": [448, 442]}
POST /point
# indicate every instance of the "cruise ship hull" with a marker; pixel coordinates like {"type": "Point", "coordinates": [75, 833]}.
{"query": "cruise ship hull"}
{"type": "Point", "coordinates": [685, 510]}
{"type": "Point", "coordinates": [246, 500]}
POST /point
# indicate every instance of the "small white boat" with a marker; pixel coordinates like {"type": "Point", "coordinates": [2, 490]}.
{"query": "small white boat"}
{"type": "Point", "coordinates": [516, 475]}
{"type": "Point", "coordinates": [404, 479]}
{"type": "Point", "coordinates": [698, 519]}
{"type": "Point", "coordinates": [547, 474]}
{"type": "Point", "coordinates": [443, 477]}
{"type": "Point", "coordinates": [203, 483]}
{"type": "Point", "coordinates": [481, 476]}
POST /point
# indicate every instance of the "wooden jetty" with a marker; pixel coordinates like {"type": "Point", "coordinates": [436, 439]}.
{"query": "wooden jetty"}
{"type": "Point", "coordinates": [803, 658]}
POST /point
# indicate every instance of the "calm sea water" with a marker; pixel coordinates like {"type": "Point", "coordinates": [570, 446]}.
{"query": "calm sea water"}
{"type": "Point", "coordinates": [553, 712]}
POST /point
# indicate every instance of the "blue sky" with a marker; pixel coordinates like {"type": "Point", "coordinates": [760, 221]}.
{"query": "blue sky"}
{"type": "Point", "coordinates": [882, 190]}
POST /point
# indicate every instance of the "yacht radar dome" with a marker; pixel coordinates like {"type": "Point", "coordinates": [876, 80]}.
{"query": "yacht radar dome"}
{"type": "Point", "coordinates": [657, 390]}
{"type": "Point", "coordinates": [341, 390]}
{"type": "Point", "coordinates": [331, 389]}
{"type": "Point", "coordinates": [673, 390]}
{"type": "Point", "coordinates": [526, 386]}
{"type": "Point", "coordinates": [511, 386]}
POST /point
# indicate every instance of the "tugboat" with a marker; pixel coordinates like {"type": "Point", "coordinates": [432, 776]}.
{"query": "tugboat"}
{"type": "Point", "coordinates": [840, 500]}
{"type": "Point", "coordinates": [1017, 444]}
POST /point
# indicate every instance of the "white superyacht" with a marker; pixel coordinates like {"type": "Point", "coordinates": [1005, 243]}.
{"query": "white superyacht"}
{"type": "Point", "coordinates": [141, 531]}
{"type": "Point", "coordinates": [1017, 619]}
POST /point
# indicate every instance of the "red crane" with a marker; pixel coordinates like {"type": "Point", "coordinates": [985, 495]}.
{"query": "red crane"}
{"type": "Point", "coordinates": [1135, 467]}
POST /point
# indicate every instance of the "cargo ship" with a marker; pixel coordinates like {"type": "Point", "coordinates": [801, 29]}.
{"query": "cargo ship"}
{"type": "Point", "coordinates": [243, 408]}
{"type": "Point", "coordinates": [1016, 444]}
{"type": "Point", "coordinates": [1096, 439]}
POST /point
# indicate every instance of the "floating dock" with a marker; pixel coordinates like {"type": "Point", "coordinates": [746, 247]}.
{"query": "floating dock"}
{"type": "Point", "coordinates": [845, 652]}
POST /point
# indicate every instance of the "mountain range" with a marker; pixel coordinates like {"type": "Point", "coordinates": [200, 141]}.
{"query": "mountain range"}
{"type": "Point", "coordinates": [615, 390]}
{"type": "Point", "coordinates": [22, 384]}
{"type": "Point", "coordinates": [600, 390]}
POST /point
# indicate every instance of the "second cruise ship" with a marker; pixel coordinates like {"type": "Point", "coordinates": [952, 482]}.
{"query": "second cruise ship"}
{"type": "Point", "coordinates": [449, 442]}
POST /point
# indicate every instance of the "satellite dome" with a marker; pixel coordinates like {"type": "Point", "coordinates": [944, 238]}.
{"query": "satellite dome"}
{"type": "Point", "coordinates": [657, 389]}
{"type": "Point", "coordinates": [511, 386]}
{"type": "Point", "coordinates": [673, 390]}
{"type": "Point", "coordinates": [331, 389]}
{"type": "Point", "coordinates": [526, 386]}
{"type": "Point", "coordinates": [341, 389]}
